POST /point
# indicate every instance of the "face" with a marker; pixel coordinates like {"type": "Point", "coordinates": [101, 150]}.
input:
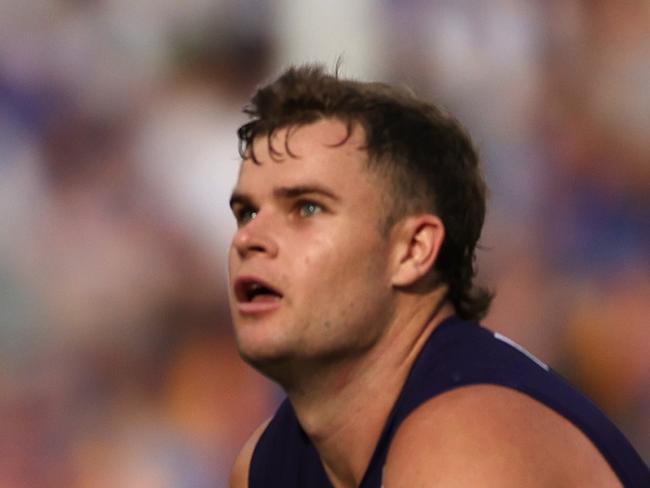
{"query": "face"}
{"type": "Point", "coordinates": [309, 279]}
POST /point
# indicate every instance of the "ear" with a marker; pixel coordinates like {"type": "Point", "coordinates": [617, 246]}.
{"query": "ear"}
{"type": "Point", "coordinates": [418, 240]}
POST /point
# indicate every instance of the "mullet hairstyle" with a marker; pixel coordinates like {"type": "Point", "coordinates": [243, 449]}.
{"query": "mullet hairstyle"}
{"type": "Point", "coordinates": [425, 154]}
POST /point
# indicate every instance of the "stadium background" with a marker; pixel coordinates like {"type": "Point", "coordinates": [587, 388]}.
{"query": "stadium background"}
{"type": "Point", "coordinates": [118, 153]}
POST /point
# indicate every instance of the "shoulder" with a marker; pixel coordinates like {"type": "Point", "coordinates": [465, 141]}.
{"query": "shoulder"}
{"type": "Point", "coordinates": [239, 472]}
{"type": "Point", "coordinates": [488, 435]}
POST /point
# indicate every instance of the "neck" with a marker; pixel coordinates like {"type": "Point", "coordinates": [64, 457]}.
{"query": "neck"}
{"type": "Point", "coordinates": [344, 406]}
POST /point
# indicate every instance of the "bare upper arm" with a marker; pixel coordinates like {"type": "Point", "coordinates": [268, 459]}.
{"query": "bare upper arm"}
{"type": "Point", "coordinates": [488, 435]}
{"type": "Point", "coordinates": [239, 472]}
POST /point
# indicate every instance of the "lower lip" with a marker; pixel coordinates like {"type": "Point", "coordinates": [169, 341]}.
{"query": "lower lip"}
{"type": "Point", "coordinates": [255, 308]}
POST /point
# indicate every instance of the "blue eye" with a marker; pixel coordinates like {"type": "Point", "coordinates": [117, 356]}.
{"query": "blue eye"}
{"type": "Point", "coordinates": [307, 209]}
{"type": "Point", "coordinates": [246, 215]}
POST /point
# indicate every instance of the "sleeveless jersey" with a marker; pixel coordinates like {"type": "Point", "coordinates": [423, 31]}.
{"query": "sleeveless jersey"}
{"type": "Point", "coordinates": [458, 353]}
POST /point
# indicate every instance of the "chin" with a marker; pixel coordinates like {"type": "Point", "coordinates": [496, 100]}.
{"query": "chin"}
{"type": "Point", "coordinates": [258, 351]}
{"type": "Point", "coordinates": [278, 368]}
{"type": "Point", "coordinates": [275, 361]}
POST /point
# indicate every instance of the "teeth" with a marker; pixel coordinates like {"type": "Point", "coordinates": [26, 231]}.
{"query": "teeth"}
{"type": "Point", "coordinates": [253, 288]}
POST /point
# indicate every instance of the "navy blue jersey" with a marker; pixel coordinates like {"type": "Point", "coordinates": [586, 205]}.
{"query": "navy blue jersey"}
{"type": "Point", "coordinates": [458, 353]}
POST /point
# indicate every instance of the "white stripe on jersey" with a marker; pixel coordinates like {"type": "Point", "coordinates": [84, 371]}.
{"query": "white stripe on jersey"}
{"type": "Point", "coordinates": [521, 349]}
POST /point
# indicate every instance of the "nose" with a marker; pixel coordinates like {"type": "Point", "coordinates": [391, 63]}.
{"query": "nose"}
{"type": "Point", "coordinates": [256, 237]}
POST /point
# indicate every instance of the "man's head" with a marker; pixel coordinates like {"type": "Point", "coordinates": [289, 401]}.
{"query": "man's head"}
{"type": "Point", "coordinates": [423, 156]}
{"type": "Point", "coordinates": [311, 279]}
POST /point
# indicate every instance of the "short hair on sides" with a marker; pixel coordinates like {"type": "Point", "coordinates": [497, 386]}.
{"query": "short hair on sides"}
{"type": "Point", "coordinates": [425, 154]}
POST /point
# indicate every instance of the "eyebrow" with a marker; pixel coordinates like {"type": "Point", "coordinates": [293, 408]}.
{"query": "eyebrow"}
{"type": "Point", "coordinates": [300, 190]}
{"type": "Point", "coordinates": [285, 192]}
{"type": "Point", "coordinates": [238, 198]}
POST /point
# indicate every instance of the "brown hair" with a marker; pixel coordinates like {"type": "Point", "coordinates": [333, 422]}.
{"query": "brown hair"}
{"type": "Point", "coordinates": [425, 153]}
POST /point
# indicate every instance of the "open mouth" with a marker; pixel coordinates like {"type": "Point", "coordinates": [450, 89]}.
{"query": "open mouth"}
{"type": "Point", "coordinates": [253, 290]}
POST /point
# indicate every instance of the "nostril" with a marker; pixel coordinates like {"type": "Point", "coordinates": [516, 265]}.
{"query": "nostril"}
{"type": "Point", "coordinates": [247, 243]}
{"type": "Point", "coordinates": [255, 237]}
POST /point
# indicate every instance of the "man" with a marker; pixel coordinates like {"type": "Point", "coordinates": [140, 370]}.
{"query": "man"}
{"type": "Point", "coordinates": [359, 208]}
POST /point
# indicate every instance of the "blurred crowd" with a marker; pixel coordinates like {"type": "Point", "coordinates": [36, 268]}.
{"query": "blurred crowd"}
{"type": "Point", "coordinates": [118, 153]}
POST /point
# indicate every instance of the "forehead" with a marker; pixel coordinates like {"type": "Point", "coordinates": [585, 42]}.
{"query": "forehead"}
{"type": "Point", "coordinates": [326, 151]}
{"type": "Point", "coordinates": [324, 133]}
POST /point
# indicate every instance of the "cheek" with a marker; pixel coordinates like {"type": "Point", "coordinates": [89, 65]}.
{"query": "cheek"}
{"type": "Point", "coordinates": [232, 261]}
{"type": "Point", "coordinates": [349, 263]}
{"type": "Point", "coordinates": [335, 264]}
{"type": "Point", "coordinates": [314, 252]}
